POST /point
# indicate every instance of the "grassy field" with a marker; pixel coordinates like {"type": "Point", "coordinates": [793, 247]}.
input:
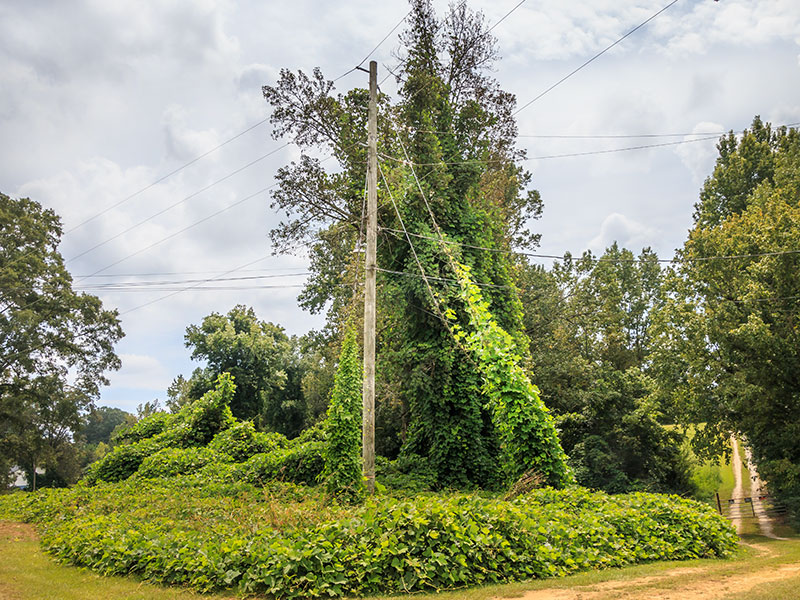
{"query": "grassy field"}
{"type": "Point", "coordinates": [763, 570]}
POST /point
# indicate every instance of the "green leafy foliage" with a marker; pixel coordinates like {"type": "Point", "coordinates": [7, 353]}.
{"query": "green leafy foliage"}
{"type": "Point", "coordinates": [590, 326]}
{"type": "Point", "coordinates": [55, 346]}
{"type": "Point", "coordinates": [299, 462]}
{"type": "Point", "coordinates": [263, 360]}
{"type": "Point", "coordinates": [450, 112]}
{"type": "Point", "coordinates": [342, 472]}
{"type": "Point", "coordinates": [169, 462]}
{"type": "Point", "coordinates": [195, 425]}
{"type": "Point", "coordinates": [527, 432]}
{"type": "Point", "coordinates": [241, 441]}
{"type": "Point", "coordinates": [144, 428]}
{"type": "Point", "coordinates": [282, 541]}
{"type": "Point", "coordinates": [727, 351]}
{"type": "Point", "coordinates": [206, 440]}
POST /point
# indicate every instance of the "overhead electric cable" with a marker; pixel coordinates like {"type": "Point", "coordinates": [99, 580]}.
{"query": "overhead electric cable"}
{"type": "Point", "coordinates": [434, 299]}
{"type": "Point", "coordinates": [167, 176]}
{"type": "Point", "coordinates": [400, 22]}
{"type": "Point", "coordinates": [485, 33]}
{"type": "Point", "coordinates": [180, 231]}
{"type": "Point", "coordinates": [574, 258]}
{"type": "Point", "coordinates": [179, 202]}
{"type": "Point", "coordinates": [595, 57]}
{"type": "Point", "coordinates": [210, 279]}
{"type": "Point", "coordinates": [171, 273]}
{"type": "Point", "coordinates": [444, 279]}
{"type": "Point", "coordinates": [612, 136]}
{"type": "Point", "coordinates": [548, 156]}
{"type": "Point", "coordinates": [114, 284]}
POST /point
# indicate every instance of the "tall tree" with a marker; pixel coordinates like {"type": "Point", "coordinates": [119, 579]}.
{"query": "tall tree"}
{"type": "Point", "coordinates": [727, 346]}
{"type": "Point", "coordinates": [263, 361]}
{"type": "Point", "coordinates": [456, 125]}
{"type": "Point", "coordinates": [55, 344]}
{"type": "Point", "coordinates": [589, 323]}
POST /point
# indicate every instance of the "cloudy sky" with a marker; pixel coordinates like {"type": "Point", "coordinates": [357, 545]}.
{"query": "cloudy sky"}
{"type": "Point", "coordinates": [101, 99]}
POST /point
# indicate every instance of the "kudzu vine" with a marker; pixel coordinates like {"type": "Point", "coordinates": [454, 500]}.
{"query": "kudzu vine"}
{"type": "Point", "coordinates": [525, 426]}
{"type": "Point", "coordinates": [342, 471]}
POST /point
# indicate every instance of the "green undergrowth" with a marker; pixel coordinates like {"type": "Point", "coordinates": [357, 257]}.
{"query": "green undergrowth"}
{"type": "Point", "coordinates": [287, 541]}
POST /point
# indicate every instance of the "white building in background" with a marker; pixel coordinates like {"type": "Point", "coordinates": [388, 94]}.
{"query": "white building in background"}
{"type": "Point", "coordinates": [18, 478]}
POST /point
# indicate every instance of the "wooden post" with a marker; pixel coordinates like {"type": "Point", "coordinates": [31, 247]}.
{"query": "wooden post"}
{"type": "Point", "coordinates": [370, 268]}
{"type": "Point", "coordinates": [719, 504]}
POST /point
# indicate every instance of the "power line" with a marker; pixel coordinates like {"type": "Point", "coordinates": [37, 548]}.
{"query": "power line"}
{"type": "Point", "coordinates": [595, 57]}
{"type": "Point", "coordinates": [548, 156]}
{"type": "Point", "coordinates": [484, 34]}
{"type": "Point", "coordinates": [184, 289]}
{"type": "Point", "coordinates": [196, 223]}
{"type": "Point", "coordinates": [166, 273]}
{"type": "Point", "coordinates": [612, 136]}
{"type": "Point", "coordinates": [615, 260]}
{"type": "Point", "coordinates": [504, 17]}
{"type": "Point", "coordinates": [444, 279]}
{"type": "Point", "coordinates": [168, 175]}
{"type": "Point", "coordinates": [179, 202]}
{"type": "Point", "coordinates": [400, 22]}
{"type": "Point", "coordinates": [199, 288]}
{"type": "Point", "coordinates": [128, 284]}
{"type": "Point", "coordinates": [184, 229]}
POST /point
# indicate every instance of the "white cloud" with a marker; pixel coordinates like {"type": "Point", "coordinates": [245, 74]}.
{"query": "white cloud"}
{"type": "Point", "coordinates": [184, 143]}
{"type": "Point", "coordinates": [626, 232]}
{"type": "Point", "coordinates": [699, 157]}
{"type": "Point", "coordinates": [141, 372]}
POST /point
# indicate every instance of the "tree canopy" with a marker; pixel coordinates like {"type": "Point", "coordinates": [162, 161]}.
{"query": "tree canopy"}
{"type": "Point", "coordinates": [727, 343]}
{"type": "Point", "coordinates": [55, 344]}
{"type": "Point", "coordinates": [263, 361]}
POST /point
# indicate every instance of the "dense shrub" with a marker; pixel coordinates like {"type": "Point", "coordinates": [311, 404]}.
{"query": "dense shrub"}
{"type": "Point", "coordinates": [195, 425]}
{"type": "Point", "coordinates": [122, 462]}
{"type": "Point", "coordinates": [169, 462]}
{"type": "Point", "coordinates": [145, 428]}
{"type": "Point", "coordinates": [299, 463]}
{"type": "Point", "coordinates": [212, 536]}
{"type": "Point", "coordinates": [241, 441]}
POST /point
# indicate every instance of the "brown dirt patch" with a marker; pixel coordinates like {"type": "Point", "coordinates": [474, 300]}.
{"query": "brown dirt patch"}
{"type": "Point", "coordinates": [707, 586]}
{"type": "Point", "coordinates": [11, 531]}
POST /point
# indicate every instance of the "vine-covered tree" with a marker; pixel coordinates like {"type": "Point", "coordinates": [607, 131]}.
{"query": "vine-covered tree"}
{"type": "Point", "coordinates": [453, 121]}
{"type": "Point", "coordinates": [342, 473]}
{"type": "Point", "coordinates": [55, 343]}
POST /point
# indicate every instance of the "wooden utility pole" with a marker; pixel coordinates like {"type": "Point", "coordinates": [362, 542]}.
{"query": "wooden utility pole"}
{"type": "Point", "coordinates": [370, 268]}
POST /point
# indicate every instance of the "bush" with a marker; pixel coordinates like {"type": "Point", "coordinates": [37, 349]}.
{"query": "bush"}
{"type": "Point", "coordinates": [169, 462]}
{"type": "Point", "coordinates": [300, 463]}
{"type": "Point", "coordinates": [195, 425]}
{"type": "Point", "coordinates": [284, 542]}
{"type": "Point", "coordinates": [241, 441]}
{"type": "Point", "coordinates": [145, 428]}
{"type": "Point", "coordinates": [122, 462]}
